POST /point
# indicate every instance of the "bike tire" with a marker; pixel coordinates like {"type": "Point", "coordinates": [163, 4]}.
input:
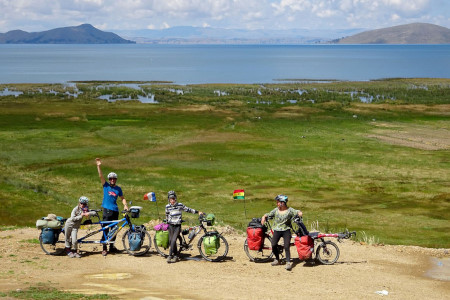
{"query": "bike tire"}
{"type": "Point", "coordinates": [221, 253]}
{"type": "Point", "coordinates": [56, 248]}
{"type": "Point", "coordinates": [146, 244]}
{"type": "Point", "coordinates": [164, 252]}
{"type": "Point", "coordinates": [327, 253]}
{"type": "Point", "coordinates": [263, 255]}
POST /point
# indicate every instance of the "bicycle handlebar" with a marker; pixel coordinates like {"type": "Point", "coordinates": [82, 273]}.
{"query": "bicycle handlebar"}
{"type": "Point", "coordinates": [346, 235]}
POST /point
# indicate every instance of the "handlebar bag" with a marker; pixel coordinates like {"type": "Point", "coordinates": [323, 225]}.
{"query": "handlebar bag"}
{"type": "Point", "coordinates": [305, 247]}
{"type": "Point", "coordinates": [162, 238]}
{"type": "Point", "coordinates": [211, 244]}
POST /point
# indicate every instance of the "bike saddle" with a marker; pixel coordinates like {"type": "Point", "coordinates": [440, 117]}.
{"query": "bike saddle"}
{"type": "Point", "coordinates": [314, 234]}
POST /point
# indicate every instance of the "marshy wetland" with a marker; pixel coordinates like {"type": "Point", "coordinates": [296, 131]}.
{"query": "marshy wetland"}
{"type": "Point", "coordinates": [369, 156]}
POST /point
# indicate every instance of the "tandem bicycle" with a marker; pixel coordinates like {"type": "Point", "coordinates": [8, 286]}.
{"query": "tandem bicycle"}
{"type": "Point", "coordinates": [136, 240]}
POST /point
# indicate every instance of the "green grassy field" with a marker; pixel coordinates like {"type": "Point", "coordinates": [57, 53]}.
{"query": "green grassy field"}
{"type": "Point", "coordinates": [381, 168]}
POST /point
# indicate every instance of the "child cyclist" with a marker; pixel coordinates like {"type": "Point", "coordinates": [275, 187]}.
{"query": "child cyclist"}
{"type": "Point", "coordinates": [174, 212]}
{"type": "Point", "coordinates": [73, 224]}
{"type": "Point", "coordinates": [282, 215]}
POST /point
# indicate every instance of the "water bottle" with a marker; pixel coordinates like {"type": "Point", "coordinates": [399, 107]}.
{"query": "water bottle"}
{"type": "Point", "coordinates": [191, 233]}
{"type": "Point", "coordinates": [112, 231]}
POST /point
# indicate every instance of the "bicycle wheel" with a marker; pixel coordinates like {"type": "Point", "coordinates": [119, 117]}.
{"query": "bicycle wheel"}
{"type": "Point", "coordinates": [217, 253]}
{"type": "Point", "coordinates": [146, 243]}
{"type": "Point", "coordinates": [55, 248]}
{"type": "Point", "coordinates": [164, 252]}
{"type": "Point", "coordinates": [327, 253]}
{"type": "Point", "coordinates": [263, 255]}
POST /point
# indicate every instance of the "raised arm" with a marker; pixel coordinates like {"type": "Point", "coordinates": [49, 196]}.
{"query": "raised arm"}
{"type": "Point", "coordinates": [99, 169]}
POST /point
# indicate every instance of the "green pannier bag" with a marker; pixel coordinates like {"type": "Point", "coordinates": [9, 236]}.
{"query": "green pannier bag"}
{"type": "Point", "coordinates": [211, 244]}
{"type": "Point", "coordinates": [162, 238]}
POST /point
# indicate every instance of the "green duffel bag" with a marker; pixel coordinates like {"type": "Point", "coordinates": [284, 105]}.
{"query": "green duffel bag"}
{"type": "Point", "coordinates": [211, 244]}
{"type": "Point", "coordinates": [53, 224]}
{"type": "Point", "coordinates": [162, 238]}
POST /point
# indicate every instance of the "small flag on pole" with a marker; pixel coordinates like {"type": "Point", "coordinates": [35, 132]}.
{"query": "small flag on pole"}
{"type": "Point", "coordinates": [150, 197]}
{"type": "Point", "coordinates": [238, 194]}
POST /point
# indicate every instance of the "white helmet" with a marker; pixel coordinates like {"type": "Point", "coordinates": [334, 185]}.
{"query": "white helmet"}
{"type": "Point", "coordinates": [83, 200]}
{"type": "Point", "coordinates": [112, 175]}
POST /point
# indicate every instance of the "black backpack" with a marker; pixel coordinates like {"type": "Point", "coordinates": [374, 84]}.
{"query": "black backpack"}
{"type": "Point", "coordinates": [256, 223]}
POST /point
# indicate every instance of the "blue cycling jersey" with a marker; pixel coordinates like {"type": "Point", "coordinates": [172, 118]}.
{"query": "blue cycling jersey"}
{"type": "Point", "coordinates": [110, 194]}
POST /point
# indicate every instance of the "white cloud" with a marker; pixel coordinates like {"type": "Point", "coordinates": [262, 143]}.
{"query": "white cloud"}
{"type": "Point", "coordinates": [36, 15]}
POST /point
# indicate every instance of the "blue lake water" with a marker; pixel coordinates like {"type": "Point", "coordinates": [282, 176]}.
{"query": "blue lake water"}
{"type": "Point", "coordinates": [190, 64]}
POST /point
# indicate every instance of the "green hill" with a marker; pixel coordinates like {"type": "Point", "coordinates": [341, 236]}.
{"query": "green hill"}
{"type": "Point", "coordinates": [83, 34]}
{"type": "Point", "coordinates": [416, 33]}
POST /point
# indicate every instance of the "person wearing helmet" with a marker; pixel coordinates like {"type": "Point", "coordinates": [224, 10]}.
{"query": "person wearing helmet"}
{"type": "Point", "coordinates": [282, 216]}
{"type": "Point", "coordinates": [174, 212]}
{"type": "Point", "coordinates": [111, 192]}
{"type": "Point", "coordinates": [73, 224]}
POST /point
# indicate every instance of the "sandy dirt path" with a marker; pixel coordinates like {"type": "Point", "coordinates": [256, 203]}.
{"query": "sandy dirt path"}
{"type": "Point", "coordinates": [405, 272]}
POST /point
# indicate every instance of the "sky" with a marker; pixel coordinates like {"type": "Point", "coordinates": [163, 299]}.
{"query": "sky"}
{"type": "Point", "coordinates": [110, 15]}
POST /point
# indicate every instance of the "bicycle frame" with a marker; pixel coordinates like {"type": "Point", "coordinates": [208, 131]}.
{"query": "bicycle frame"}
{"type": "Point", "coordinates": [107, 239]}
{"type": "Point", "coordinates": [186, 242]}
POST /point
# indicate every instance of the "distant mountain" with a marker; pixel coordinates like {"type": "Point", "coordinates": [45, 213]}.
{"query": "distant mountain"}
{"type": "Point", "coordinates": [83, 34]}
{"type": "Point", "coordinates": [416, 33]}
{"type": "Point", "coordinates": [209, 35]}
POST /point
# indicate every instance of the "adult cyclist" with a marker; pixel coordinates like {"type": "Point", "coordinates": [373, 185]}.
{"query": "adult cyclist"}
{"type": "Point", "coordinates": [111, 192]}
{"type": "Point", "coordinates": [282, 216]}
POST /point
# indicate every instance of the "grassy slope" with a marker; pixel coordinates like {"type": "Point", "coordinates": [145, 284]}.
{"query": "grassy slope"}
{"type": "Point", "coordinates": [318, 154]}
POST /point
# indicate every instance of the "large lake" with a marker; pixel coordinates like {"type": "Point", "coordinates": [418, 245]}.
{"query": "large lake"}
{"type": "Point", "coordinates": [191, 64]}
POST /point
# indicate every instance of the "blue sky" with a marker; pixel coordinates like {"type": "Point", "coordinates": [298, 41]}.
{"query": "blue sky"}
{"type": "Point", "coordinates": [109, 15]}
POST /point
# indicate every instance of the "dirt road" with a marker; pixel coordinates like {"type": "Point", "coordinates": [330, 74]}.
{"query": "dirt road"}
{"type": "Point", "coordinates": [362, 271]}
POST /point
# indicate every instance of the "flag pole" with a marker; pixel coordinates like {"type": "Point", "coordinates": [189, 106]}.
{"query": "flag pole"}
{"type": "Point", "coordinates": [240, 194]}
{"type": "Point", "coordinates": [152, 198]}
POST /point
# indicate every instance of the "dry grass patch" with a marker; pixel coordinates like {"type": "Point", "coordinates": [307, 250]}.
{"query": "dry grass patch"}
{"type": "Point", "coordinates": [414, 136]}
{"type": "Point", "coordinates": [295, 111]}
{"type": "Point", "coordinates": [370, 108]}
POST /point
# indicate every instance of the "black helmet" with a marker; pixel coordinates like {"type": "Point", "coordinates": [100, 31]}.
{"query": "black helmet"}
{"type": "Point", "coordinates": [282, 198]}
{"type": "Point", "coordinates": [171, 194]}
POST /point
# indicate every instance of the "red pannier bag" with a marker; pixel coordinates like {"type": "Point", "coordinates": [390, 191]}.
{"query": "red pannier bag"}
{"type": "Point", "coordinates": [254, 238]}
{"type": "Point", "coordinates": [255, 234]}
{"type": "Point", "coordinates": [305, 247]}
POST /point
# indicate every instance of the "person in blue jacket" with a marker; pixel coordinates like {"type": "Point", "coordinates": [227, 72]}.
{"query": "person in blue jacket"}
{"type": "Point", "coordinates": [111, 192]}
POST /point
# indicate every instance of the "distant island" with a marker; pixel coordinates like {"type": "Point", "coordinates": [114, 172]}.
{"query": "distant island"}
{"type": "Point", "coordinates": [415, 33]}
{"type": "Point", "coordinates": [83, 34]}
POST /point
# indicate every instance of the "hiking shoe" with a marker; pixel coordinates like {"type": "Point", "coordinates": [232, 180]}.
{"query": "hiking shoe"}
{"type": "Point", "coordinates": [175, 259]}
{"type": "Point", "coordinates": [70, 254]}
{"type": "Point", "coordinates": [289, 266]}
{"type": "Point", "coordinates": [76, 255]}
{"type": "Point", "coordinates": [169, 259]}
{"type": "Point", "coordinates": [275, 262]}
{"type": "Point", "coordinates": [104, 252]}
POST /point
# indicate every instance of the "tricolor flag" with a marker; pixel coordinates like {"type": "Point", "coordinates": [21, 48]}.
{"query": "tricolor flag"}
{"type": "Point", "coordinates": [238, 194]}
{"type": "Point", "coordinates": [150, 196]}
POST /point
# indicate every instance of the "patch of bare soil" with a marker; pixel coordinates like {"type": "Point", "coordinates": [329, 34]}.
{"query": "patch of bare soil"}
{"type": "Point", "coordinates": [360, 272]}
{"type": "Point", "coordinates": [414, 136]}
